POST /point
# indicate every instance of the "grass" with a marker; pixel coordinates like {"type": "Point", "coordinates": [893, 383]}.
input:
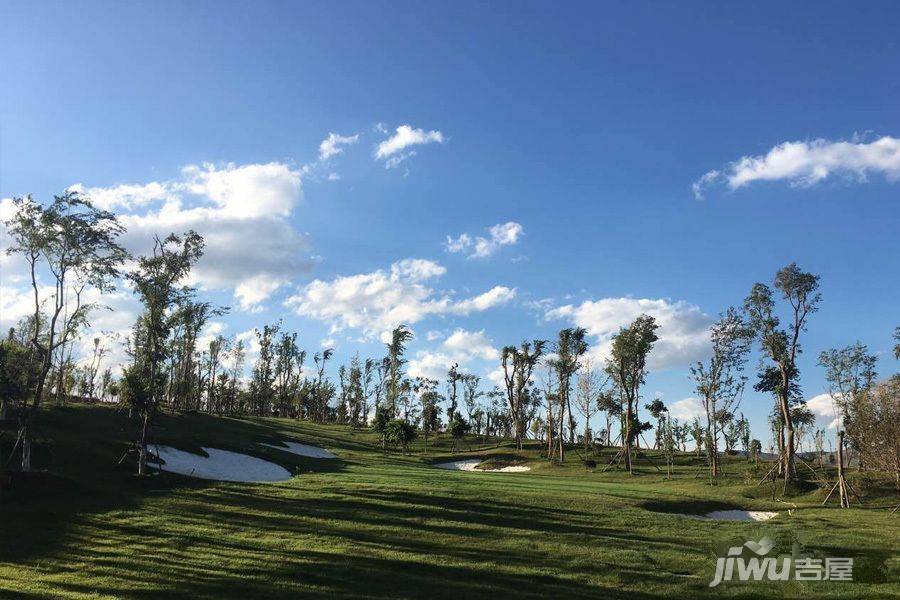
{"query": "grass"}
{"type": "Point", "coordinates": [389, 526]}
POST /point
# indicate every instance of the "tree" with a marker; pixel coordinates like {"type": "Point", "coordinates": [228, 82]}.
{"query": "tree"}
{"type": "Point", "coordinates": [471, 393]}
{"type": "Point", "coordinates": [627, 368]}
{"type": "Point", "coordinates": [518, 365]}
{"type": "Point", "coordinates": [458, 428]}
{"type": "Point", "coordinates": [570, 347]}
{"type": "Point", "coordinates": [77, 244]}
{"type": "Point", "coordinates": [720, 381]}
{"type": "Point", "coordinates": [782, 345]}
{"type": "Point", "coordinates": [454, 377]}
{"type": "Point", "coordinates": [426, 390]}
{"type": "Point", "coordinates": [262, 382]}
{"type": "Point", "coordinates": [400, 336]}
{"type": "Point", "coordinates": [608, 402]}
{"type": "Point", "coordinates": [156, 281]}
{"type": "Point", "coordinates": [657, 408]}
{"type": "Point", "coordinates": [587, 395]}
{"type": "Point", "coordinates": [698, 433]}
{"type": "Point", "coordinates": [400, 433]}
{"type": "Point", "coordinates": [851, 374]}
{"type": "Point", "coordinates": [879, 414]}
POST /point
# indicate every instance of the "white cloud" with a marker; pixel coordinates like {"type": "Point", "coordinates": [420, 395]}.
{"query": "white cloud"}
{"type": "Point", "coordinates": [687, 409]}
{"type": "Point", "coordinates": [242, 213]}
{"type": "Point", "coordinates": [416, 269]}
{"type": "Point", "coordinates": [377, 302]}
{"type": "Point", "coordinates": [826, 414]}
{"type": "Point", "coordinates": [334, 177]}
{"type": "Point", "coordinates": [683, 328]}
{"type": "Point", "coordinates": [404, 137]}
{"type": "Point", "coordinates": [331, 145]}
{"type": "Point", "coordinates": [495, 296]}
{"type": "Point", "coordinates": [804, 164]}
{"type": "Point", "coordinates": [127, 197]}
{"type": "Point", "coordinates": [462, 347]}
{"type": "Point", "coordinates": [502, 234]}
{"type": "Point", "coordinates": [247, 191]}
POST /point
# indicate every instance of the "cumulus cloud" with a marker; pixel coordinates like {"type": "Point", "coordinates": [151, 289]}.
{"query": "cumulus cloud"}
{"type": "Point", "coordinates": [393, 150]}
{"type": "Point", "coordinates": [376, 302]}
{"type": "Point", "coordinates": [242, 212]}
{"type": "Point", "coordinates": [683, 328]}
{"type": "Point", "coordinates": [461, 347]}
{"type": "Point", "coordinates": [502, 234]}
{"type": "Point", "coordinates": [826, 414]}
{"type": "Point", "coordinates": [687, 409]}
{"type": "Point", "coordinates": [331, 145]}
{"type": "Point", "coordinates": [805, 163]}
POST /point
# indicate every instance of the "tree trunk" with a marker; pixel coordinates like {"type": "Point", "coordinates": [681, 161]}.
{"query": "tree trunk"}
{"type": "Point", "coordinates": [842, 484]}
{"type": "Point", "coordinates": [142, 450]}
{"type": "Point", "coordinates": [627, 438]}
{"type": "Point", "coordinates": [26, 449]}
{"type": "Point", "coordinates": [788, 449]}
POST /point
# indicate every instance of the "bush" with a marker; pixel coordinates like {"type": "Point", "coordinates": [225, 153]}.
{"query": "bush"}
{"type": "Point", "coordinates": [400, 433]}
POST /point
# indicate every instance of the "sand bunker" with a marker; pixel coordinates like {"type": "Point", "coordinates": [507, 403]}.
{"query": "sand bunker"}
{"type": "Point", "coordinates": [470, 465]}
{"type": "Point", "coordinates": [734, 515]}
{"type": "Point", "coordinates": [303, 450]}
{"type": "Point", "coordinates": [221, 465]}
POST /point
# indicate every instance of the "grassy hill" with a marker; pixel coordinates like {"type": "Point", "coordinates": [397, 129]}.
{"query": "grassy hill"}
{"type": "Point", "coordinates": [392, 526]}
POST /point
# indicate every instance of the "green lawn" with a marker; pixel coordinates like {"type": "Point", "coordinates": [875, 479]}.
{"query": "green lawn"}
{"type": "Point", "coordinates": [370, 525]}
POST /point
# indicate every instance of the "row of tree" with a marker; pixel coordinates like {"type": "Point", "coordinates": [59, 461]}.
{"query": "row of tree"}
{"type": "Point", "coordinates": [542, 380]}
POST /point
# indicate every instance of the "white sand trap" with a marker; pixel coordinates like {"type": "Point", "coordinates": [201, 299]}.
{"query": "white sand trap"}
{"type": "Point", "coordinates": [733, 515]}
{"type": "Point", "coordinates": [470, 465]}
{"type": "Point", "coordinates": [303, 450]}
{"type": "Point", "coordinates": [221, 465]}
{"type": "Point", "coordinates": [741, 515]}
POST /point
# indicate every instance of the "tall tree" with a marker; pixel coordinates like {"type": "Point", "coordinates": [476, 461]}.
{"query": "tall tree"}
{"type": "Point", "coordinates": [627, 368]}
{"type": "Point", "coordinates": [782, 345]}
{"type": "Point", "coordinates": [720, 380]}
{"type": "Point", "coordinates": [157, 281]}
{"type": "Point", "coordinates": [518, 365]}
{"type": "Point", "coordinates": [78, 245]}
{"type": "Point", "coordinates": [851, 374]}
{"type": "Point", "coordinates": [400, 336]}
{"type": "Point", "coordinates": [454, 377]}
{"type": "Point", "coordinates": [570, 347]}
{"type": "Point", "coordinates": [590, 386]}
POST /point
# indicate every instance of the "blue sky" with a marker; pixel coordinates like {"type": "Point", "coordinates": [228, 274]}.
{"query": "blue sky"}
{"type": "Point", "coordinates": [586, 124]}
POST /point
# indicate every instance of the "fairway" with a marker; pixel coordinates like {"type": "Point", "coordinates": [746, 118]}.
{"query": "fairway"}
{"type": "Point", "coordinates": [391, 526]}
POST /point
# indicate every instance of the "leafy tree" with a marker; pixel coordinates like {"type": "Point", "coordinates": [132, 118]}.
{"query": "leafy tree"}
{"type": "Point", "coordinates": [588, 392]}
{"type": "Point", "coordinates": [400, 433]}
{"type": "Point", "coordinates": [458, 428]}
{"type": "Point", "coordinates": [782, 345]}
{"type": "Point", "coordinates": [400, 336]}
{"type": "Point", "coordinates": [627, 368]}
{"type": "Point", "coordinates": [454, 378]}
{"type": "Point", "coordinates": [518, 365]}
{"type": "Point", "coordinates": [471, 393]}
{"type": "Point", "coordinates": [157, 281]}
{"type": "Point", "coordinates": [851, 374]}
{"type": "Point", "coordinates": [657, 408]}
{"type": "Point", "coordinates": [426, 390]}
{"type": "Point", "coordinates": [570, 347]}
{"type": "Point", "coordinates": [698, 433]}
{"type": "Point", "coordinates": [78, 245]}
{"type": "Point", "coordinates": [720, 381]}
